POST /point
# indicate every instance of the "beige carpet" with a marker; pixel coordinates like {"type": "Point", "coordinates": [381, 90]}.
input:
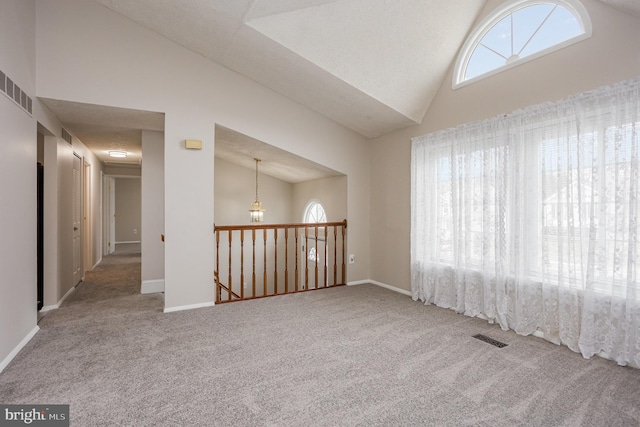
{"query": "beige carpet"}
{"type": "Point", "coordinates": [343, 356]}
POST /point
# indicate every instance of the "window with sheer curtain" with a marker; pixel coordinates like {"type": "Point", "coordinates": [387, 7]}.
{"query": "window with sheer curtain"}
{"type": "Point", "coordinates": [531, 220]}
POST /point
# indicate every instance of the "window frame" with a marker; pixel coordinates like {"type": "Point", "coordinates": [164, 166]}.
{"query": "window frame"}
{"type": "Point", "coordinates": [307, 210]}
{"type": "Point", "coordinates": [477, 35]}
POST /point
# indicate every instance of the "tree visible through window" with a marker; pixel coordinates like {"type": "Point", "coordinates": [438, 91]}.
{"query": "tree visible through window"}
{"type": "Point", "coordinates": [520, 30]}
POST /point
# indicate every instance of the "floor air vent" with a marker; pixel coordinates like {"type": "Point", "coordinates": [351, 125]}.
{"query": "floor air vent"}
{"type": "Point", "coordinates": [490, 340]}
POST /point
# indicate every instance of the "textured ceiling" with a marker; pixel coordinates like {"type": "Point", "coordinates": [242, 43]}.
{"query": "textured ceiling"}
{"type": "Point", "coordinates": [371, 65]}
{"type": "Point", "coordinates": [241, 150]}
{"type": "Point", "coordinates": [103, 129]}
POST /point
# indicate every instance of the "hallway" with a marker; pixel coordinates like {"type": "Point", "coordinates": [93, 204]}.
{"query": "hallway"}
{"type": "Point", "coordinates": [115, 281]}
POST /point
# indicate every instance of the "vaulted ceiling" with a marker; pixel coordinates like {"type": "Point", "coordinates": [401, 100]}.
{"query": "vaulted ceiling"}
{"type": "Point", "coordinates": [372, 65]}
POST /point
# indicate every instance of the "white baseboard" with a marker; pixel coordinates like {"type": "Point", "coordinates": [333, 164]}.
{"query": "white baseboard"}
{"type": "Point", "coordinates": [152, 286]}
{"type": "Point", "coordinates": [132, 241]}
{"type": "Point", "coordinates": [59, 303]}
{"type": "Point", "coordinates": [66, 295]}
{"type": "Point", "coordinates": [17, 348]}
{"type": "Point", "coordinates": [382, 285]}
{"type": "Point", "coordinates": [96, 264]}
{"type": "Point", "coordinates": [188, 307]}
{"type": "Point", "coordinates": [359, 282]}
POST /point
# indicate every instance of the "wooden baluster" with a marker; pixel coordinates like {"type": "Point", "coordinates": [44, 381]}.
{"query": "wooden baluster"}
{"type": "Point", "coordinates": [325, 261]}
{"type": "Point", "coordinates": [286, 260]}
{"type": "Point", "coordinates": [229, 285]}
{"type": "Point", "coordinates": [297, 278]}
{"type": "Point", "coordinates": [335, 255]}
{"type": "Point", "coordinates": [315, 284]}
{"type": "Point", "coordinates": [344, 275]}
{"type": "Point", "coordinates": [275, 262]}
{"type": "Point", "coordinates": [241, 264]}
{"type": "Point", "coordinates": [253, 275]}
{"type": "Point", "coordinates": [265, 261]}
{"type": "Point", "coordinates": [306, 258]}
{"type": "Point", "coordinates": [215, 273]}
{"type": "Point", "coordinates": [300, 240]}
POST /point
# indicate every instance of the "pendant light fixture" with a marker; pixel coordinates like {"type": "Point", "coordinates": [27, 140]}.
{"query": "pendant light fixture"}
{"type": "Point", "coordinates": [257, 211]}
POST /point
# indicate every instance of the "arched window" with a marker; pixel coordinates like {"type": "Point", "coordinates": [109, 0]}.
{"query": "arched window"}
{"type": "Point", "coordinates": [519, 31]}
{"type": "Point", "coordinates": [314, 213]}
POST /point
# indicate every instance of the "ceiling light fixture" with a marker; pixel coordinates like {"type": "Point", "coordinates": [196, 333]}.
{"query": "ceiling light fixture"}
{"type": "Point", "coordinates": [118, 154]}
{"type": "Point", "coordinates": [257, 211]}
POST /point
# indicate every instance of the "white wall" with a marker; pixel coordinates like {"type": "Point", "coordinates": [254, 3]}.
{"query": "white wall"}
{"type": "Point", "coordinates": [17, 180]}
{"type": "Point", "coordinates": [235, 190]}
{"type": "Point", "coordinates": [330, 192]}
{"type": "Point", "coordinates": [65, 218]}
{"type": "Point", "coordinates": [58, 214]}
{"type": "Point", "coordinates": [136, 68]}
{"type": "Point", "coordinates": [128, 210]}
{"type": "Point", "coordinates": [610, 55]}
{"type": "Point", "coordinates": [115, 170]}
{"type": "Point", "coordinates": [152, 182]}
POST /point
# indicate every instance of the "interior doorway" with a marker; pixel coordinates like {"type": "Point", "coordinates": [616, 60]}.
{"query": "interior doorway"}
{"type": "Point", "coordinates": [108, 214]}
{"type": "Point", "coordinates": [76, 203]}
{"type": "Point", "coordinates": [40, 235]}
{"type": "Point", "coordinates": [87, 218]}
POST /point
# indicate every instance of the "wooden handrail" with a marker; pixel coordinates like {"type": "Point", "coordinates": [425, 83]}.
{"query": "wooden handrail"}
{"type": "Point", "coordinates": [220, 285]}
{"type": "Point", "coordinates": [274, 226]}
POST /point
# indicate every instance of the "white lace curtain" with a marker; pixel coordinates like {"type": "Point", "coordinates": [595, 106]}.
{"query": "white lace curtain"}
{"type": "Point", "coordinates": [531, 220]}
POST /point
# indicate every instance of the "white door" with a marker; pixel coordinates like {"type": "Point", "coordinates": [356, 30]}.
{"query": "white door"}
{"type": "Point", "coordinates": [112, 215]}
{"type": "Point", "coordinates": [76, 200]}
{"type": "Point", "coordinates": [87, 224]}
{"type": "Point", "coordinates": [108, 214]}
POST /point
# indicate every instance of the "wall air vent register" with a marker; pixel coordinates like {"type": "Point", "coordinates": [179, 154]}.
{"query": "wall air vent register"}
{"type": "Point", "coordinates": [14, 93]}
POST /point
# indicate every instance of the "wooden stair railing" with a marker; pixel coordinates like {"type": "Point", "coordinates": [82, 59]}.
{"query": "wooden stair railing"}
{"type": "Point", "coordinates": [220, 287]}
{"type": "Point", "coordinates": [319, 261]}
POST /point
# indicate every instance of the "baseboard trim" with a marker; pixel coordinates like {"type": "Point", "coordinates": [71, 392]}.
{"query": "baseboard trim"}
{"type": "Point", "coordinates": [96, 264]}
{"type": "Point", "coordinates": [188, 307]}
{"type": "Point", "coordinates": [359, 282]}
{"type": "Point", "coordinates": [131, 241]}
{"type": "Point", "coordinates": [59, 303]}
{"type": "Point", "coordinates": [382, 285]}
{"type": "Point", "coordinates": [17, 348]}
{"type": "Point", "coordinates": [66, 295]}
{"type": "Point", "coordinates": [152, 286]}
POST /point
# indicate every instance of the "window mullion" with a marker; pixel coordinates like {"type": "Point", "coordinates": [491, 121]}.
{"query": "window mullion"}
{"type": "Point", "coordinates": [537, 29]}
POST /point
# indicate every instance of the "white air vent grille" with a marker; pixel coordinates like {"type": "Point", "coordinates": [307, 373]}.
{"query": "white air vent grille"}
{"type": "Point", "coordinates": [66, 136]}
{"type": "Point", "coordinates": [14, 93]}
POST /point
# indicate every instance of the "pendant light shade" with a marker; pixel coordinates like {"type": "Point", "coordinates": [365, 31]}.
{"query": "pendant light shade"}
{"type": "Point", "coordinates": [257, 211]}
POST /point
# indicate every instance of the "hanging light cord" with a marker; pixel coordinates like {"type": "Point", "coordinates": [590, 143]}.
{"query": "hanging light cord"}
{"type": "Point", "coordinates": [257, 160]}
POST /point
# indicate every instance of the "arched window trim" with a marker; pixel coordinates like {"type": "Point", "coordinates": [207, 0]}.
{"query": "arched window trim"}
{"type": "Point", "coordinates": [574, 6]}
{"type": "Point", "coordinates": [310, 205]}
